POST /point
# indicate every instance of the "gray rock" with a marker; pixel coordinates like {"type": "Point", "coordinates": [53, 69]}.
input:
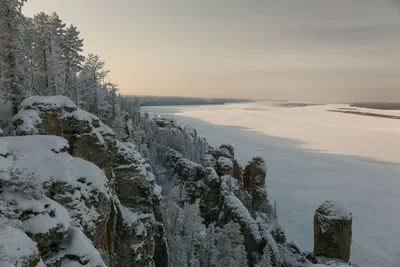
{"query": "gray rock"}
{"type": "Point", "coordinates": [332, 231]}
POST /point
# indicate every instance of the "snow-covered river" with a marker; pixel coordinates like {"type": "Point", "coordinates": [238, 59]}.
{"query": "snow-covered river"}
{"type": "Point", "coordinates": [314, 155]}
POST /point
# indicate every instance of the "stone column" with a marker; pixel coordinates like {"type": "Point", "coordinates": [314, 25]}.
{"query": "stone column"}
{"type": "Point", "coordinates": [332, 231]}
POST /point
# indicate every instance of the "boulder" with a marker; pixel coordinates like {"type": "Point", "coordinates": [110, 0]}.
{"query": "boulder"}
{"type": "Point", "coordinates": [254, 177]}
{"type": "Point", "coordinates": [88, 137]}
{"type": "Point", "coordinates": [208, 160]}
{"type": "Point", "coordinates": [224, 166]}
{"type": "Point", "coordinates": [229, 148]}
{"type": "Point", "coordinates": [92, 175]}
{"type": "Point", "coordinates": [163, 123]}
{"type": "Point", "coordinates": [209, 202]}
{"type": "Point", "coordinates": [188, 170]}
{"type": "Point", "coordinates": [255, 173]}
{"type": "Point", "coordinates": [332, 231]}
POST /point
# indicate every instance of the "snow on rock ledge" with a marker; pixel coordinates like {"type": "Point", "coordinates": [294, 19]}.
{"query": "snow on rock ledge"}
{"type": "Point", "coordinates": [88, 137]}
{"type": "Point", "coordinates": [76, 250]}
{"type": "Point", "coordinates": [16, 248]}
{"type": "Point", "coordinates": [92, 175]}
{"type": "Point", "coordinates": [49, 191]}
{"type": "Point", "coordinates": [48, 102]}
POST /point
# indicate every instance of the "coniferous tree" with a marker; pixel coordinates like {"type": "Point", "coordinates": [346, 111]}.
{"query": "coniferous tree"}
{"type": "Point", "coordinates": [11, 73]}
{"type": "Point", "coordinates": [72, 46]}
{"type": "Point", "coordinates": [89, 83]}
{"type": "Point", "coordinates": [229, 248]}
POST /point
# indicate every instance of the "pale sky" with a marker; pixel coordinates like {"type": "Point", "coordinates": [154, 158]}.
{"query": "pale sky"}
{"type": "Point", "coordinates": [300, 50]}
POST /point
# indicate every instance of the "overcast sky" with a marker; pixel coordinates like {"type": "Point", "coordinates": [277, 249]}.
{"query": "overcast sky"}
{"type": "Point", "coordinates": [303, 50]}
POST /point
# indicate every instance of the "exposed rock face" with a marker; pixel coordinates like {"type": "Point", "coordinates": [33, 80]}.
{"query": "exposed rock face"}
{"type": "Point", "coordinates": [332, 231]}
{"type": "Point", "coordinates": [224, 198]}
{"type": "Point", "coordinates": [228, 147]}
{"type": "Point", "coordinates": [254, 176]}
{"type": "Point", "coordinates": [138, 234]}
{"type": "Point", "coordinates": [88, 137]}
{"type": "Point", "coordinates": [114, 209]}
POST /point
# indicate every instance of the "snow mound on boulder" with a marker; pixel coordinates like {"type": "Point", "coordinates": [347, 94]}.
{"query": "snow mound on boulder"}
{"type": "Point", "coordinates": [42, 215]}
{"type": "Point", "coordinates": [48, 102]}
{"type": "Point", "coordinates": [334, 210]}
{"type": "Point", "coordinates": [45, 156]}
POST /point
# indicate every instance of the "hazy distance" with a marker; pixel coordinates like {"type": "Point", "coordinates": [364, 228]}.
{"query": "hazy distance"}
{"type": "Point", "coordinates": [288, 49]}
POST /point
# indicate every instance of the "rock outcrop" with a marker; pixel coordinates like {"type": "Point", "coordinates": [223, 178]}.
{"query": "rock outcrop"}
{"type": "Point", "coordinates": [71, 194]}
{"type": "Point", "coordinates": [229, 193]}
{"type": "Point", "coordinates": [89, 188]}
{"type": "Point", "coordinates": [332, 231]}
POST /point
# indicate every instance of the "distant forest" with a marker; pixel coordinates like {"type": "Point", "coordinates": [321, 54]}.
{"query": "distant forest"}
{"type": "Point", "coordinates": [381, 106]}
{"type": "Point", "coordinates": [177, 101]}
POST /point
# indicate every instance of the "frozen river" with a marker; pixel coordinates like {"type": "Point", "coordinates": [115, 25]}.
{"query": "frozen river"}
{"type": "Point", "coordinates": [314, 155]}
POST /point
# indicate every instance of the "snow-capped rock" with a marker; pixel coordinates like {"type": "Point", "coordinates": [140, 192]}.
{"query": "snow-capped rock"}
{"type": "Point", "coordinates": [90, 188]}
{"type": "Point", "coordinates": [88, 137]}
{"type": "Point", "coordinates": [332, 231]}
{"type": "Point", "coordinates": [76, 250]}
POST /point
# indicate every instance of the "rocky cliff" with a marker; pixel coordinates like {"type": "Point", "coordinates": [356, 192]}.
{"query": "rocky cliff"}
{"type": "Point", "coordinates": [227, 192]}
{"type": "Point", "coordinates": [73, 195]}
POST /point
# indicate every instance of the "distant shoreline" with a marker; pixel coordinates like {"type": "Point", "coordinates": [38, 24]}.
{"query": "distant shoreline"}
{"type": "Point", "coordinates": [362, 113]}
{"type": "Point", "coordinates": [379, 106]}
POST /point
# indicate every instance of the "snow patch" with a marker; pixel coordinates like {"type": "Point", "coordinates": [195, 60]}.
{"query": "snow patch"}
{"type": "Point", "coordinates": [39, 221]}
{"type": "Point", "coordinates": [81, 248]}
{"type": "Point", "coordinates": [334, 210]}
{"type": "Point", "coordinates": [242, 213]}
{"type": "Point", "coordinates": [17, 247]}
{"type": "Point", "coordinates": [225, 163]}
{"type": "Point", "coordinates": [48, 102]}
{"type": "Point", "coordinates": [27, 121]}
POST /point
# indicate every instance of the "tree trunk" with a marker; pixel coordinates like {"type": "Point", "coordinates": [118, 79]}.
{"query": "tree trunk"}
{"type": "Point", "coordinates": [45, 68]}
{"type": "Point", "coordinates": [67, 90]}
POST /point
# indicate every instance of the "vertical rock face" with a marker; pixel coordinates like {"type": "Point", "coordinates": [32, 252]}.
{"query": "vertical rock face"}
{"type": "Point", "coordinates": [254, 176]}
{"type": "Point", "coordinates": [220, 187]}
{"type": "Point", "coordinates": [332, 231]}
{"type": "Point", "coordinates": [138, 235]}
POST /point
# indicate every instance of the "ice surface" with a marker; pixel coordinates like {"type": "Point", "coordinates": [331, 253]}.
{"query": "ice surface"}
{"type": "Point", "coordinates": [316, 127]}
{"type": "Point", "coordinates": [314, 155]}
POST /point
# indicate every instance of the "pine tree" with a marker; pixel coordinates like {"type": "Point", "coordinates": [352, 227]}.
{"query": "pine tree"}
{"type": "Point", "coordinates": [56, 59]}
{"type": "Point", "coordinates": [89, 83]}
{"type": "Point", "coordinates": [49, 34]}
{"type": "Point", "coordinates": [229, 248]}
{"type": "Point", "coordinates": [12, 80]}
{"type": "Point", "coordinates": [72, 46]}
{"type": "Point", "coordinates": [265, 259]}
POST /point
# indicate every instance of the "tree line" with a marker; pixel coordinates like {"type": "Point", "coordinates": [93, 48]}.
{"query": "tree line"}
{"type": "Point", "coordinates": [42, 55]}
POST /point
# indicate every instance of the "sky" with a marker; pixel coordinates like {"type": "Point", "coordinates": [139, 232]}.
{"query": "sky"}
{"type": "Point", "coordinates": [299, 50]}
